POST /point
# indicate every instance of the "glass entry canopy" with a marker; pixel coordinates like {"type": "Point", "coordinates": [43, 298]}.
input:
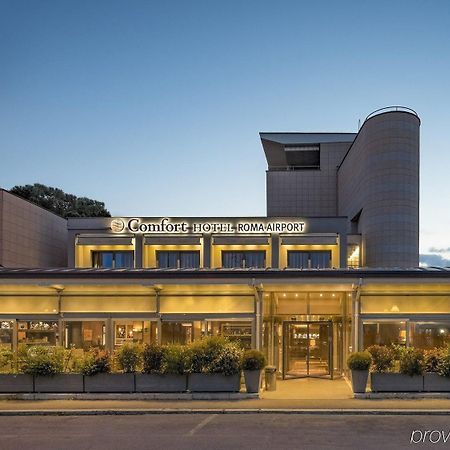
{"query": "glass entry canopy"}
{"type": "Point", "coordinates": [308, 349]}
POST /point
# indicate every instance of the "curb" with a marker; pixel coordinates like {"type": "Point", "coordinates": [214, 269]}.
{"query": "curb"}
{"type": "Point", "coordinates": [403, 395]}
{"type": "Point", "coordinates": [135, 396]}
{"type": "Point", "coordinates": [136, 412]}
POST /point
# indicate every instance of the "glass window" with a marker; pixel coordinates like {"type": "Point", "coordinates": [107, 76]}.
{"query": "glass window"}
{"type": "Point", "coordinates": [85, 334]}
{"type": "Point", "coordinates": [6, 334]}
{"type": "Point", "coordinates": [428, 335]}
{"type": "Point", "coordinates": [113, 260]}
{"type": "Point", "coordinates": [240, 332]}
{"type": "Point", "coordinates": [309, 259]}
{"type": "Point", "coordinates": [37, 332]}
{"type": "Point", "coordinates": [134, 332]}
{"type": "Point", "coordinates": [180, 332]}
{"type": "Point", "coordinates": [437, 304]}
{"type": "Point", "coordinates": [178, 259]}
{"type": "Point", "coordinates": [243, 259]}
{"type": "Point", "coordinates": [384, 333]}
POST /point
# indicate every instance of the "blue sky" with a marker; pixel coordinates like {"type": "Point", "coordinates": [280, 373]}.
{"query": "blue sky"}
{"type": "Point", "coordinates": [155, 107]}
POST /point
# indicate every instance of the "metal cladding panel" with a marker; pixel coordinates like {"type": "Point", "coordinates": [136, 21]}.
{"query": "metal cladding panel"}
{"type": "Point", "coordinates": [241, 240]}
{"type": "Point", "coordinates": [172, 240]}
{"type": "Point", "coordinates": [309, 240]}
{"type": "Point", "coordinates": [104, 240]}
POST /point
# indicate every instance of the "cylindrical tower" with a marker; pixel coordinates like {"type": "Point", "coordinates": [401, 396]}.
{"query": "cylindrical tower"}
{"type": "Point", "coordinates": [378, 184]}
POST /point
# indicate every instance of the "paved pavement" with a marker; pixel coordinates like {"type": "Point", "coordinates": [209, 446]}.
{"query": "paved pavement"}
{"type": "Point", "coordinates": [222, 431]}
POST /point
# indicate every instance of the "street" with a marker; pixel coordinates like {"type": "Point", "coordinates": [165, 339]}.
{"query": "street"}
{"type": "Point", "coordinates": [221, 431]}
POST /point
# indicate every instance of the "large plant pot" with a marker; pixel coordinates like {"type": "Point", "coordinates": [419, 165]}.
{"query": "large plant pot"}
{"type": "Point", "coordinates": [395, 382]}
{"type": "Point", "coordinates": [68, 382]}
{"type": "Point", "coordinates": [252, 380]}
{"type": "Point", "coordinates": [160, 383]}
{"type": "Point", "coordinates": [16, 383]}
{"type": "Point", "coordinates": [433, 382]}
{"type": "Point", "coordinates": [213, 382]}
{"type": "Point", "coordinates": [359, 381]}
{"type": "Point", "coordinates": [109, 382]}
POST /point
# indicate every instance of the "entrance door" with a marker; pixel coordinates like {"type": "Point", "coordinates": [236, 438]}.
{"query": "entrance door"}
{"type": "Point", "coordinates": [308, 349]}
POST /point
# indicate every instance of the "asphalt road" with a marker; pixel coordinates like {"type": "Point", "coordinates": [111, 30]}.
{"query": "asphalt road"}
{"type": "Point", "coordinates": [221, 431]}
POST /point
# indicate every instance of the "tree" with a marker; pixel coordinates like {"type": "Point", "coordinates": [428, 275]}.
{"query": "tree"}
{"type": "Point", "coordinates": [57, 201]}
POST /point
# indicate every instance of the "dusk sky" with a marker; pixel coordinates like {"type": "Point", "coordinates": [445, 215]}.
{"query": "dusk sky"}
{"type": "Point", "coordinates": [155, 107]}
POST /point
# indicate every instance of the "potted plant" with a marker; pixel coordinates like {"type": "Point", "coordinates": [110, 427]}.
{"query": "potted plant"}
{"type": "Point", "coordinates": [48, 366]}
{"type": "Point", "coordinates": [214, 365]}
{"type": "Point", "coordinates": [253, 362]}
{"type": "Point", "coordinates": [163, 369]}
{"type": "Point", "coordinates": [409, 377]}
{"type": "Point", "coordinates": [359, 364]}
{"type": "Point", "coordinates": [436, 377]}
{"type": "Point", "coordinates": [10, 380]}
{"type": "Point", "coordinates": [98, 377]}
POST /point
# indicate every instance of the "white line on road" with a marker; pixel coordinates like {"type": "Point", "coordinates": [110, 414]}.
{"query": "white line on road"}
{"type": "Point", "coordinates": [200, 425]}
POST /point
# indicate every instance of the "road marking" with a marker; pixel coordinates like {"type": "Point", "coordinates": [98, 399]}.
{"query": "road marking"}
{"type": "Point", "coordinates": [200, 425]}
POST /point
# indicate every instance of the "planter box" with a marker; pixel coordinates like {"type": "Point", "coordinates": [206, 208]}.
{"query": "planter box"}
{"type": "Point", "coordinates": [109, 382]}
{"type": "Point", "coordinates": [68, 382]}
{"type": "Point", "coordinates": [433, 382]}
{"type": "Point", "coordinates": [395, 382]}
{"type": "Point", "coordinates": [160, 383]}
{"type": "Point", "coordinates": [213, 382]}
{"type": "Point", "coordinates": [252, 380]}
{"type": "Point", "coordinates": [359, 381]}
{"type": "Point", "coordinates": [16, 383]}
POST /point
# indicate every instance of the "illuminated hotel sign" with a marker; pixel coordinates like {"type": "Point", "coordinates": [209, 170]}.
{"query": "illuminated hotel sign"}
{"type": "Point", "coordinates": [166, 225]}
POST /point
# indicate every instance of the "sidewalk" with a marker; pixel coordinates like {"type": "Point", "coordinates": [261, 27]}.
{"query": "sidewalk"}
{"type": "Point", "coordinates": [305, 396]}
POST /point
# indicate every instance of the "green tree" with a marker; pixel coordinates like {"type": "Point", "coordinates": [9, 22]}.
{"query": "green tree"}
{"type": "Point", "coordinates": [57, 201]}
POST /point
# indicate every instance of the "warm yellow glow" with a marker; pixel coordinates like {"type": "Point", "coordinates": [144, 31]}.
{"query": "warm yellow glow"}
{"type": "Point", "coordinates": [216, 253]}
{"type": "Point", "coordinates": [83, 253]}
{"type": "Point", "coordinates": [206, 304]}
{"type": "Point", "coordinates": [285, 248]}
{"type": "Point", "coordinates": [149, 255]}
{"type": "Point", "coordinates": [353, 260]}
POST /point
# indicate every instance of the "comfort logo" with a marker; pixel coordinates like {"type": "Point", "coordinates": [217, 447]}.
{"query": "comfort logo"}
{"type": "Point", "coordinates": [117, 225]}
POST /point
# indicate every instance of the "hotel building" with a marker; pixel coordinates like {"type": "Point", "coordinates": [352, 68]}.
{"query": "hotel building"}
{"type": "Point", "coordinates": [331, 269]}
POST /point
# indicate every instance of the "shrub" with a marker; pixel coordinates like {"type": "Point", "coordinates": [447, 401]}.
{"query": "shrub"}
{"type": "Point", "coordinates": [152, 358]}
{"type": "Point", "coordinates": [359, 361]}
{"type": "Point", "coordinates": [6, 360]}
{"type": "Point", "coordinates": [432, 358]}
{"type": "Point", "coordinates": [228, 360]}
{"type": "Point", "coordinates": [96, 361]}
{"type": "Point", "coordinates": [443, 365]}
{"type": "Point", "coordinates": [213, 354]}
{"type": "Point", "coordinates": [43, 361]}
{"type": "Point", "coordinates": [253, 360]}
{"type": "Point", "coordinates": [129, 358]}
{"type": "Point", "coordinates": [382, 358]}
{"type": "Point", "coordinates": [412, 361]}
{"type": "Point", "coordinates": [203, 352]}
{"type": "Point", "coordinates": [173, 359]}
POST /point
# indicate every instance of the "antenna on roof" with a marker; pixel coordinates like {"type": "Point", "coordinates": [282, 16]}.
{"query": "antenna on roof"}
{"type": "Point", "coordinates": [359, 124]}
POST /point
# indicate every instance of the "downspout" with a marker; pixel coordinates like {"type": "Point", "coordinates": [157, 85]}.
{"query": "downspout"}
{"type": "Point", "coordinates": [258, 313]}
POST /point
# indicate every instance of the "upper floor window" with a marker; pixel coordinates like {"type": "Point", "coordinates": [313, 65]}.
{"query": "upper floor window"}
{"type": "Point", "coordinates": [113, 260]}
{"type": "Point", "coordinates": [244, 259]}
{"type": "Point", "coordinates": [303, 157]}
{"type": "Point", "coordinates": [309, 259]}
{"type": "Point", "coordinates": [178, 259]}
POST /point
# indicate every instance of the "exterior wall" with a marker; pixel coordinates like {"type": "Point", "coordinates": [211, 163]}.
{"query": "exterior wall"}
{"type": "Point", "coordinates": [306, 192]}
{"type": "Point", "coordinates": [30, 236]}
{"type": "Point", "coordinates": [379, 179]}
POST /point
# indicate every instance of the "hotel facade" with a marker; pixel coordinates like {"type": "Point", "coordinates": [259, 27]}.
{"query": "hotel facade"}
{"type": "Point", "coordinates": [332, 268]}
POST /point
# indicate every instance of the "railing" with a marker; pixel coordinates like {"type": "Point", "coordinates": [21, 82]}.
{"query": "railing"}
{"type": "Point", "coordinates": [390, 109]}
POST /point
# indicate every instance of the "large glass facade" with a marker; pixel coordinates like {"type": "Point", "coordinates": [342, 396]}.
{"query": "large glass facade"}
{"type": "Point", "coordinates": [134, 332]}
{"type": "Point", "coordinates": [428, 335]}
{"type": "Point", "coordinates": [384, 333]}
{"type": "Point", "coordinates": [240, 332]}
{"type": "Point", "coordinates": [37, 332]}
{"type": "Point", "coordinates": [180, 332]}
{"type": "Point", "coordinates": [85, 334]}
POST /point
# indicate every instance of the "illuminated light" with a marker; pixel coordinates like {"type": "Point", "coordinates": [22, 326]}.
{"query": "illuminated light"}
{"type": "Point", "coordinates": [333, 295]}
{"type": "Point", "coordinates": [442, 331]}
{"type": "Point", "coordinates": [296, 295]}
{"type": "Point", "coordinates": [284, 295]}
{"type": "Point", "coordinates": [321, 295]}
